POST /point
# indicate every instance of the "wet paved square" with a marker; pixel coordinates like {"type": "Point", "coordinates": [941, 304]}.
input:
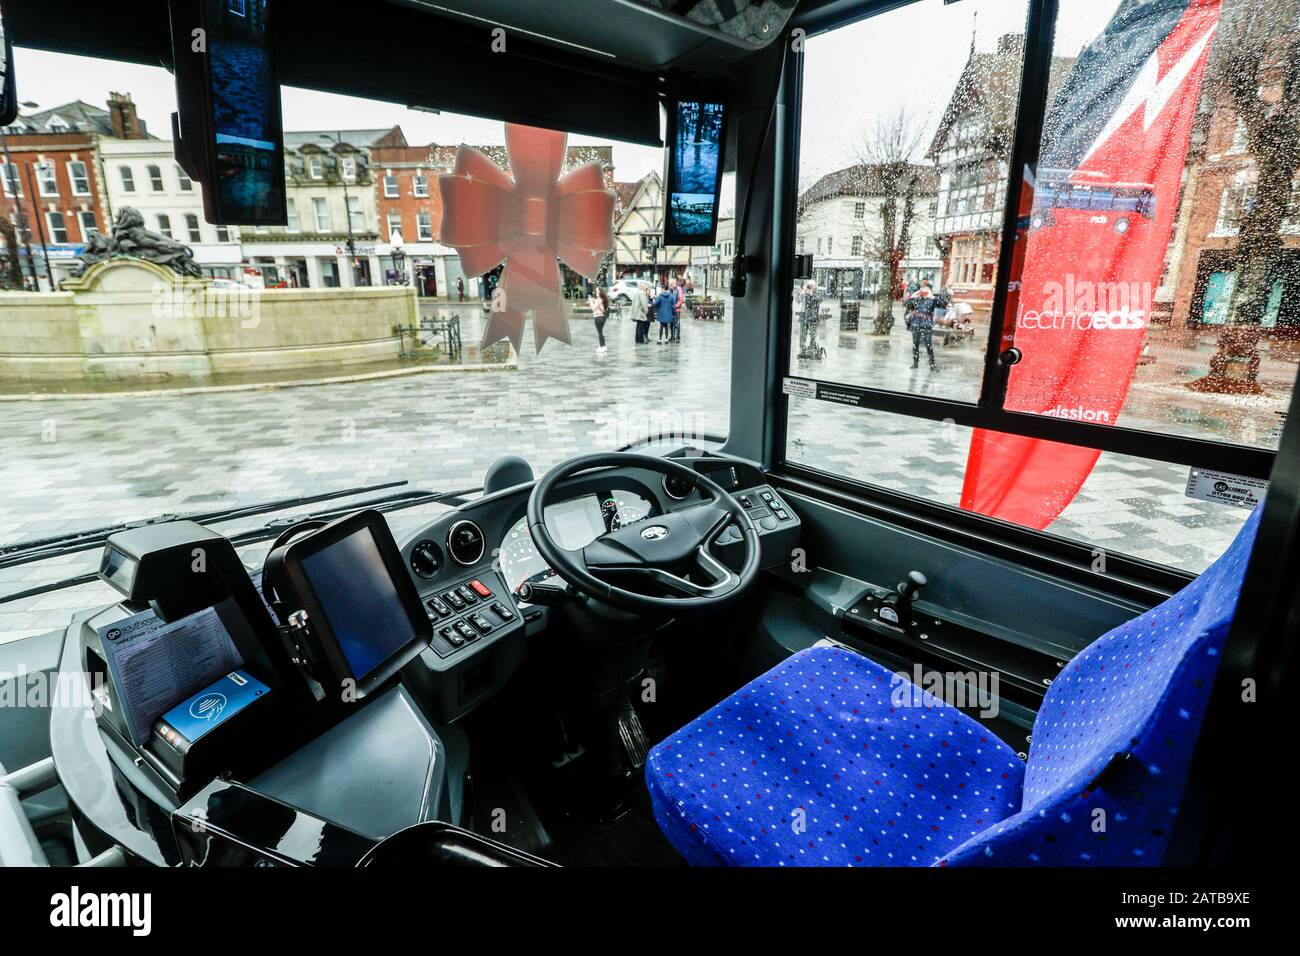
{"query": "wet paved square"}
{"type": "Point", "coordinates": [73, 463]}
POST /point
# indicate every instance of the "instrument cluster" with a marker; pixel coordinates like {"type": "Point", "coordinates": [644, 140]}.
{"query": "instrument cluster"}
{"type": "Point", "coordinates": [574, 524]}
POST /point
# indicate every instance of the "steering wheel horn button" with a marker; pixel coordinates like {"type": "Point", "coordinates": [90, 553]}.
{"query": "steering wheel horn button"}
{"type": "Point", "coordinates": [656, 532]}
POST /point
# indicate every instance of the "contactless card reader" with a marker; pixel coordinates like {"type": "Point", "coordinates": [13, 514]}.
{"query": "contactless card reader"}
{"type": "Point", "coordinates": [218, 719]}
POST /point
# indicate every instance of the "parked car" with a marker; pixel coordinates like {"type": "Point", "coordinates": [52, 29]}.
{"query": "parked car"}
{"type": "Point", "coordinates": [620, 291]}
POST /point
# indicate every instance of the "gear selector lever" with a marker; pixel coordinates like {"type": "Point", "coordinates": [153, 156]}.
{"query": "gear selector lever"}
{"type": "Point", "coordinates": [896, 608]}
{"type": "Point", "coordinates": [911, 587]}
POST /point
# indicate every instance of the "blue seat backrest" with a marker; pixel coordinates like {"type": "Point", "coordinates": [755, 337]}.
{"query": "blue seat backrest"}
{"type": "Point", "coordinates": [1113, 740]}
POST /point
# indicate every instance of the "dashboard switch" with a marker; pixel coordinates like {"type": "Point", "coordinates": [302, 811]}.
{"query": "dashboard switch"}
{"type": "Point", "coordinates": [481, 589]}
{"type": "Point", "coordinates": [503, 612]}
{"type": "Point", "coordinates": [482, 623]}
{"type": "Point", "coordinates": [465, 631]}
{"type": "Point", "coordinates": [438, 607]}
{"type": "Point", "coordinates": [467, 595]}
{"type": "Point", "coordinates": [455, 600]}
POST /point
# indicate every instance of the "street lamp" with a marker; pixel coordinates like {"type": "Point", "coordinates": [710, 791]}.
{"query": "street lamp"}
{"type": "Point", "coordinates": [20, 218]}
{"type": "Point", "coordinates": [337, 139]}
{"type": "Point", "coordinates": [399, 255]}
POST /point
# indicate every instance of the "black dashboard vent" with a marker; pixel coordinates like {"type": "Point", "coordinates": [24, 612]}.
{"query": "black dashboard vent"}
{"type": "Point", "coordinates": [465, 543]}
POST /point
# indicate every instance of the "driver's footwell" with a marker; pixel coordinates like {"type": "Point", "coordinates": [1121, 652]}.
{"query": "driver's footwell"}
{"type": "Point", "coordinates": [631, 840]}
{"type": "Point", "coordinates": [568, 816]}
{"type": "Point", "coordinates": [551, 781]}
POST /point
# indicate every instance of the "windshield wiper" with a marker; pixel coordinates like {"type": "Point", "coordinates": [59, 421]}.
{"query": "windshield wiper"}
{"type": "Point", "coordinates": [39, 549]}
{"type": "Point", "coordinates": [406, 499]}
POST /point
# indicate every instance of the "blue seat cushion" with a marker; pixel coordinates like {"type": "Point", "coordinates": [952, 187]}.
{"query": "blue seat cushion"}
{"type": "Point", "coordinates": [813, 764]}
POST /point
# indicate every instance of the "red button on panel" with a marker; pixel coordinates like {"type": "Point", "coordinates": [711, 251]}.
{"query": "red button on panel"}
{"type": "Point", "coordinates": [481, 589]}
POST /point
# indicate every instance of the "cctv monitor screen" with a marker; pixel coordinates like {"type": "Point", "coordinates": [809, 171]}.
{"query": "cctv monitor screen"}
{"type": "Point", "coordinates": [696, 132]}
{"type": "Point", "coordinates": [353, 587]}
{"type": "Point", "coordinates": [247, 173]}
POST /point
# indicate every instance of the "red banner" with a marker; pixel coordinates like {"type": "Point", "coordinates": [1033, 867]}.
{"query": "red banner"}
{"type": "Point", "coordinates": [1095, 233]}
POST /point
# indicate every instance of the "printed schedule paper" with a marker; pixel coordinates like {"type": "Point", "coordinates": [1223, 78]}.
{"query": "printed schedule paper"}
{"type": "Point", "coordinates": [153, 665]}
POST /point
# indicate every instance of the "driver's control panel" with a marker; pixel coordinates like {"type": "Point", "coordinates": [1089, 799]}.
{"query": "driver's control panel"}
{"type": "Point", "coordinates": [468, 611]}
{"type": "Point", "coordinates": [768, 511]}
{"type": "Point", "coordinates": [777, 524]}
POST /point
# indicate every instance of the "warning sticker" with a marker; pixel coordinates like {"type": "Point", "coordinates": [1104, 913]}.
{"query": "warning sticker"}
{"type": "Point", "coordinates": [1225, 488]}
{"type": "Point", "coordinates": [799, 388]}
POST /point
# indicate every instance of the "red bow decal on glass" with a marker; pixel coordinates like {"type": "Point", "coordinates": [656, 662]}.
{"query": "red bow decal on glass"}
{"type": "Point", "coordinates": [527, 222]}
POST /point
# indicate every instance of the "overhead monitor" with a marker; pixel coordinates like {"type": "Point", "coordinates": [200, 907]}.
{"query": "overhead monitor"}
{"type": "Point", "coordinates": [696, 153]}
{"type": "Point", "coordinates": [229, 131]}
{"type": "Point", "coordinates": [8, 95]}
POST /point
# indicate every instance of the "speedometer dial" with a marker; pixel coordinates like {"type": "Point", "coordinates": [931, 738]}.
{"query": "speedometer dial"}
{"type": "Point", "coordinates": [629, 514]}
{"type": "Point", "coordinates": [520, 561]}
{"type": "Point", "coordinates": [623, 508]}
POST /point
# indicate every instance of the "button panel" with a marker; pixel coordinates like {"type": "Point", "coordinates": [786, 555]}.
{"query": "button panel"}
{"type": "Point", "coordinates": [468, 612]}
{"type": "Point", "coordinates": [765, 507]}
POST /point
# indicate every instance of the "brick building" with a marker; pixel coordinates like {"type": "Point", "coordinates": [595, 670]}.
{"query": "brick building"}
{"type": "Point", "coordinates": [408, 201]}
{"type": "Point", "coordinates": [52, 181]}
{"type": "Point", "coordinates": [1219, 187]}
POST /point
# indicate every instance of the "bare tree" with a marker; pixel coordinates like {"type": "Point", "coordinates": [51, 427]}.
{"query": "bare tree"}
{"type": "Point", "coordinates": [1256, 72]}
{"type": "Point", "coordinates": [888, 148]}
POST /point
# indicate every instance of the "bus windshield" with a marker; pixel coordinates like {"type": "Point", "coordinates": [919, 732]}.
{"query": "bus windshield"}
{"type": "Point", "coordinates": [154, 363]}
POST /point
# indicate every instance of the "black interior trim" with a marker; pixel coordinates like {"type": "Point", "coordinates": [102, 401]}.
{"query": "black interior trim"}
{"type": "Point", "coordinates": [1177, 449]}
{"type": "Point", "coordinates": [820, 16]}
{"type": "Point", "coordinates": [1031, 111]}
{"type": "Point", "coordinates": [389, 52]}
{"type": "Point", "coordinates": [1126, 578]}
{"type": "Point", "coordinates": [1235, 800]}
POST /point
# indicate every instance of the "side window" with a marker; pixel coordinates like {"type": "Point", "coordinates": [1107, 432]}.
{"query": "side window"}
{"type": "Point", "coordinates": [915, 177]}
{"type": "Point", "coordinates": [128, 179]}
{"type": "Point", "coordinates": [1124, 387]}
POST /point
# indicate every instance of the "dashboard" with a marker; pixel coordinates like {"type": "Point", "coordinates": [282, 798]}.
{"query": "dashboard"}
{"type": "Point", "coordinates": [574, 524]}
{"type": "Point", "coordinates": [469, 563]}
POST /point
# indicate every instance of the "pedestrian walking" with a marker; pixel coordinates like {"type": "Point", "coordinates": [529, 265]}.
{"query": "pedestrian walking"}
{"type": "Point", "coordinates": [639, 306]}
{"type": "Point", "coordinates": [922, 304]}
{"type": "Point", "coordinates": [679, 299]}
{"type": "Point", "coordinates": [663, 311]}
{"type": "Point", "coordinates": [460, 288]}
{"type": "Point", "coordinates": [599, 312]}
{"type": "Point", "coordinates": [808, 305]}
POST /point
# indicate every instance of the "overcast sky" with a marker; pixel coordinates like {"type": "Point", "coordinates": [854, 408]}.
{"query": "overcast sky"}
{"type": "Point", "coordinates": [910, 58]}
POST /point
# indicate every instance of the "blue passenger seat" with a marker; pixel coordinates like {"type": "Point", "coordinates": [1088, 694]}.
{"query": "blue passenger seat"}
{"type": "Point", "coordinates": [823, 762]}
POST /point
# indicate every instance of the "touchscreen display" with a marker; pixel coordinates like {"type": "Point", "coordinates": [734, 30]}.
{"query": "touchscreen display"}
{"type": "Point", "coordinates": [245, 98]}
{"type": "Point", "coordinates": [362, 606]}
{"type": "Point", "coordinates": [575, 524]}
